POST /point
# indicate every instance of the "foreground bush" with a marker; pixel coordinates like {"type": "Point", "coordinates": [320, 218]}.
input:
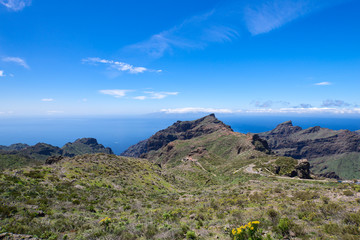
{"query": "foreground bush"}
{"type": "Point", "coordinates": [250, 231]}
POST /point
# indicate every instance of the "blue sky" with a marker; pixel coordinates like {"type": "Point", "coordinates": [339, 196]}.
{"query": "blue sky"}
{"type": "Point", "coordinates": [81, 58]}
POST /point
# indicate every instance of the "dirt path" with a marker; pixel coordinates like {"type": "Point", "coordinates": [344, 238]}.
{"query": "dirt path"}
{"type": "Point", "coordinates": [250, 169]}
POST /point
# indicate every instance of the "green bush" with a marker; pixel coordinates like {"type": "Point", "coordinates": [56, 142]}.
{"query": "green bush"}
{"type": "Point", "coordinates": [191, 235]}
{"type": "Point", "coordinates": [284, 226]}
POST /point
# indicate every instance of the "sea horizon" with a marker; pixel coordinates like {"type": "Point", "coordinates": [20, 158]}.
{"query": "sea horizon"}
{"type": "Point", "coordinates": [121, 132]}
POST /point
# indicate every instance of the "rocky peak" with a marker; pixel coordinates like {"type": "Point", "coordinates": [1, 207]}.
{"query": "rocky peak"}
{"type": "Point", "coordinates": [285, 128]}
{"type": "Point", "coordinates": [83, 146]}
{"type": "Point", "coordinates": [87, 141]}
{"type": "Point", "coordinates": [180, 130]}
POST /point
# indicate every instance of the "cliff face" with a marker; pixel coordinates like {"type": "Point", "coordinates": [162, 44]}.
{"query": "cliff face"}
{"type": "Point", "coordinates": [181, 130]}
{"type": "Point", "coordinates": [326, 149]}
{"type": "Point", "coordinates": [293, 141]}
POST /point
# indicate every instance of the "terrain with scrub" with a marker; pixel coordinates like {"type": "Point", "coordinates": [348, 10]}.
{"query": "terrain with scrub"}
{"type": "Point", "coordinates": [195, 180]}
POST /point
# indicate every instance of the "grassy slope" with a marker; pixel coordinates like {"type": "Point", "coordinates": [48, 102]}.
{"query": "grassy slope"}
{"type": "Point", "coordinates": [147, 202]}
{"type": "Point", "coordinates": [11, 161]}
{"type": "Point", "coordinates": [347, 165]}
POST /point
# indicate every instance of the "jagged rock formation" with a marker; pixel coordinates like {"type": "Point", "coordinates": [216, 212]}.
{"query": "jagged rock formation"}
{"type": "Point", "coordinates": [84, 146]}
{"type": "Point", "coordinates": [316, 144]}
{"type": "Point", "coordinates": [181, 130]}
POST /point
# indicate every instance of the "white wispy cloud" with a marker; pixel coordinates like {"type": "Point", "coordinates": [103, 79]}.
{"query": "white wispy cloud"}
{"type": "Point", "coordinates": [2, 74]}
{"type": "Point", "coordinates": [118, 93]}
{"type": "Point", "coordinates": [195, 32]}
{"type": "Point", "coordinates": [265, 16]}
{"type": "Point", "coordinates": [120, 66]}
{"type": "Point", "coordinates": [335, 103]}
{"type": "Point", "coordinates": [313, 110]}
{"type": "Point", "coordinates": [155, 95]}
{"type": "Point", "coordinates": [47, 99]}
{"type": "Point", "coordinates": [15, 5]}
{"type": "Point", "coordinates": [195, 110]}
{"type": "Point", "coordinates": [160, 95]}
{"type": "Point", "coordinates": [140, 97]}
{"type": "Point", "coordinates": [226, 22]}
{"type": "Point", "coordinates": [323, 84]}
{"type": "Point", "coordinates": [16, 60]}
{"type": "Point", "coordinates": [269, 103]}
{"type": "Point", "coordinates": [307, 109]}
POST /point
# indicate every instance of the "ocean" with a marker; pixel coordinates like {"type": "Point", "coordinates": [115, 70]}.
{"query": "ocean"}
{"type": "Point", "coordinates": [121, 132]}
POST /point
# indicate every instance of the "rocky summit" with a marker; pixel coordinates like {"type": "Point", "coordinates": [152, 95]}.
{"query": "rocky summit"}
{"type": "Point", "coordinates": [181, 130]}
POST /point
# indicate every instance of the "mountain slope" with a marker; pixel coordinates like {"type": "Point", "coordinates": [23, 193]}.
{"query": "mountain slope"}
{"type": "Point", "coordinates": [181, 130]}
{"type": "Point", "coordinates": [318, 145]}
{"type": "Point", "coordinates": [207, 150]}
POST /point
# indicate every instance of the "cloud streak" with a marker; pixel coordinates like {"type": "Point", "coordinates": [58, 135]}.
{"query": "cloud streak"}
{"type": "Point", "coordinates": [15, 5]}
{"type": "Point", "coordinates": [120, 66]}
{"type": "Point", "coordinates": [118, 93]}
{"type": "Point", "coordinates": [265, 16]}
{"type": "Point", "coordinates": [195, 110]}
{"type": "Point", "coordinates": [47, 99]}
{"type": "Point", "coordinates": [193, 33]}
{"type": "Point", "coordinates": [293, 110]}
{"type": "Point", "coordinates": [228, 22]}
{"type": "Point", "coordinates": [16, 60]}
{"type": "Point", "coordinates": [335, 103]}
{"type": "Point", "coordinates": [156, 95]}
{"type": "Point", "coordinates": [2, 74]}
{"type": "Point", "coordinates": [323, 84]}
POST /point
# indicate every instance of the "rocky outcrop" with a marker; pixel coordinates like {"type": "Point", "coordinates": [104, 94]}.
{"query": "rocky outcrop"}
{"type": "Point", "coordinates": [181, 130]}
{"type": "Point", "coordinates": [260, 144]}
{"type": "Point", "coordinates": [329, 175]}
{"type": "Point", "coordinates": [53, 159]}
{"type": "Point", "coordinates": [84, 146]}
{"type": "Point", "coordinates": [293, 141]}
{"type": "Point", "coordinates": [303, 169]}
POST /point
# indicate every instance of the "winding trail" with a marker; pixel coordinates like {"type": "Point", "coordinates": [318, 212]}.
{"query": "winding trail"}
{"type": "Point", "coordinates": [250, 169]}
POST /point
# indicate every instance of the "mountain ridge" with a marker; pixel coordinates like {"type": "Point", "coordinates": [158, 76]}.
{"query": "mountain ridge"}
{"type": "Point", "coordinates": [319, 145]}
{"type": "Point", "coordinates": [179, 130]}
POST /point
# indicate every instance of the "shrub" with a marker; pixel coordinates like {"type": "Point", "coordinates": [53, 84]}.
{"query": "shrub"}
{"type": "Point", "coordinates": [348, 193]}
{"type": "Point", "coordinates": [273, 215]}
{"type": "Point", "coordinates": [248, 231]}
{"type": "Point", "coordinates": [191, 235]}
{"type": "Point", "coordinates": [284, 226]}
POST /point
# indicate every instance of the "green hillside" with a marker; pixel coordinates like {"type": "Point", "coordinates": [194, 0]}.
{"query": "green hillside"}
{"type": "Point", "coordinates": [346, 165]}
{"type": "Point", "coordinates": [67, 200]}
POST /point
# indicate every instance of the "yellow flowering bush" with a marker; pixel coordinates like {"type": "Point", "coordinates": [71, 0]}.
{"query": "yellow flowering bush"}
{"type": "Point", "coordinates": [105, 222]}
{"type": "Point", "coordinates": [248, 231]}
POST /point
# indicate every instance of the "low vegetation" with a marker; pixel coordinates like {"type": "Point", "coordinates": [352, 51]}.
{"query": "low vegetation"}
{"type": "Point", "coordinates": [108, 197]}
